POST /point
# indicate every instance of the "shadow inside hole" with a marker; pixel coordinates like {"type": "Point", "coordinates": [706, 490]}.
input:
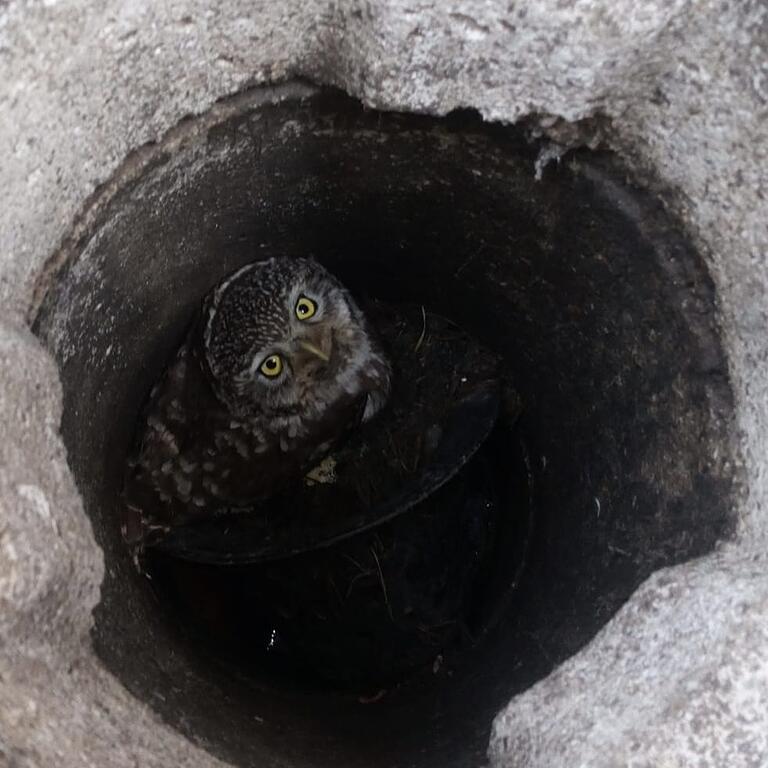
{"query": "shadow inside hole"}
{"type": "Point", "coordinates": [368, 613]}
{"type": "Point", "coordinates": [601, 310]}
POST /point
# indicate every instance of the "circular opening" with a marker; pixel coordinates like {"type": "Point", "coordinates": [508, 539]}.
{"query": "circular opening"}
{"type": "Point", "coordinates": [390, 557]}
{"type": "Point", "coordinates": [603, 314]}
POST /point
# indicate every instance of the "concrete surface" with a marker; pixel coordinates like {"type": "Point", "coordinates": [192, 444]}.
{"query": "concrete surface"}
{"type": "Point", "coordinates": [680, 88]}
{"type": "Point", "coordinates": [705, 706]}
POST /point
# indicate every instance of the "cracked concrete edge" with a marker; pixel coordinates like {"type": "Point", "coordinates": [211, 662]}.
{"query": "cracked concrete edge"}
{"type": "Point", "coordinates": [57, 705]}
{"type": "Point", "coordinates": [84, 717]}
{"type": "Point", "coordinates": [50, 566]}
{"type": "Point", "coordinates": [646, 704]}
{"type": "Point", "coordinates": [681, 103]}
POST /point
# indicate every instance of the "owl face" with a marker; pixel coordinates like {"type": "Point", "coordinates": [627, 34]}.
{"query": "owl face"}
{"type": "Point", "coordinates": [283, 338]}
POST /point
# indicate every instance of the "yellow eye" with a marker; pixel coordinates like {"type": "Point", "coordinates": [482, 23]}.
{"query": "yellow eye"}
{"type": "Point", "coordinates": [272, 366]}
{"type": "Point", "coordinates": [305, 308]}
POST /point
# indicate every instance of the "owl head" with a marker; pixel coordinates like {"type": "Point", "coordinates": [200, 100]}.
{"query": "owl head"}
{"type": "Point", "coordinates": [284, 341]}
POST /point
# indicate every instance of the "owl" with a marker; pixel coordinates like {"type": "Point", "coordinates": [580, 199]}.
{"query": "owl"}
{"type": "Point", "coordinates": [278, 367]}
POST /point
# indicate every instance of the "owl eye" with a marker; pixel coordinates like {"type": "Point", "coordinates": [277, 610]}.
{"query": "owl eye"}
{"type": "Point", "coordinates": [305, 308]}
{"type": "Point", "coordinates": [272, 366]}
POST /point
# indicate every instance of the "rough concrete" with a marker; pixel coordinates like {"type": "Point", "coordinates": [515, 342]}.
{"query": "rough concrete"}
{"type": "Point", "coordinates": [704, 707]}
{"type": "Point", "coordinates": [681, 88]}
{"type": "Point", "coordinates": [56, 703]}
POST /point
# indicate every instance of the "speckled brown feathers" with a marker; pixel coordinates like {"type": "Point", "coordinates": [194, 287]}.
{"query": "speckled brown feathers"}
{"type": "Point", "coordinates": [221, 428]}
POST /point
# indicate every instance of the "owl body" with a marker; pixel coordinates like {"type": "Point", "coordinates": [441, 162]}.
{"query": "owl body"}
{"type": "Point", "coordinates": [280, 364]}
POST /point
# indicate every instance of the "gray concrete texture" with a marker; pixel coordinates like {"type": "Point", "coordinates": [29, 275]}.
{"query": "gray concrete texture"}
{"type": "Point", "coordinates": [680, 676]}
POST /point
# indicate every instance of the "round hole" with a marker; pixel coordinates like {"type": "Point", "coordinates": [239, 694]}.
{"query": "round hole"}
{"type": "Point", "coordinates": [600, 308]}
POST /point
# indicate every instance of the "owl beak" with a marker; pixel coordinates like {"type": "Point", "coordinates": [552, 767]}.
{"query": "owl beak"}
{"type": "Point", "coordinates": [308, 346]}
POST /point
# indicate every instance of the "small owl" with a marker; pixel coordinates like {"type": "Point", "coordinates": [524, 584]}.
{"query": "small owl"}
{"type": "Point", "coordinates": [280, 364]}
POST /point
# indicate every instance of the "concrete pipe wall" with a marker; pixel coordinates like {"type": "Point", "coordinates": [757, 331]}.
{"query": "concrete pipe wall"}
{"type": "Point", "coordinates": [89, 91]}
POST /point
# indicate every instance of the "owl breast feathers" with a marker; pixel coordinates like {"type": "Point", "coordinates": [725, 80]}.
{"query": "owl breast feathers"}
{"type": "Point", "coordinates": [280, 364]}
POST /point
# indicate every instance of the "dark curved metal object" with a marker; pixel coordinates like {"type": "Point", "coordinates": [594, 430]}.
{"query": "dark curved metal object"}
{"type": "Point", "coordinates": [261, 534]}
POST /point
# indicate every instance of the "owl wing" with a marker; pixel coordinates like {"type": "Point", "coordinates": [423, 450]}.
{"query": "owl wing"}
{"type": "Point", "coordinates": [192, 458]}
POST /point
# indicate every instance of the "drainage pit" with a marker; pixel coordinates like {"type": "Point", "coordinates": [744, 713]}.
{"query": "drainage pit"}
{"type": "Point", "coordinates": [603, 314]}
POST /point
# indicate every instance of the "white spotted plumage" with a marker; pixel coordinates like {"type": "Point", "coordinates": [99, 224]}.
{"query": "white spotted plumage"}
{"type": "Point", "coordinates": [218, 429]}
